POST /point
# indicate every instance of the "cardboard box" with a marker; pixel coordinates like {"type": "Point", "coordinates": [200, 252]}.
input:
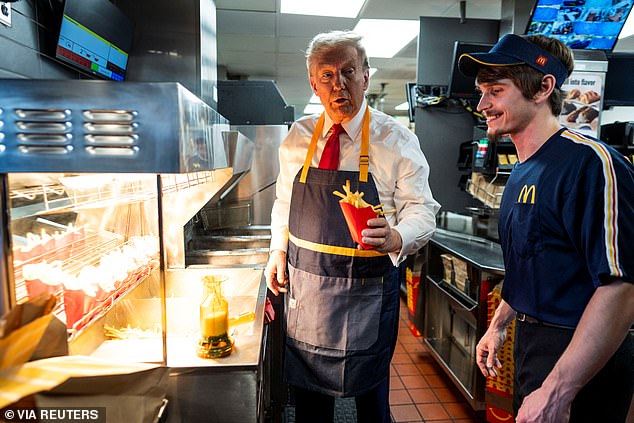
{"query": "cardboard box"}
{"type": "Point", "coordinates": [455, 271]}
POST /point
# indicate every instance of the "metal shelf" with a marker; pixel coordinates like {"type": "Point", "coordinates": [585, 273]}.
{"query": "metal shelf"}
{"type": "Point", "coordinates": [87, 191]}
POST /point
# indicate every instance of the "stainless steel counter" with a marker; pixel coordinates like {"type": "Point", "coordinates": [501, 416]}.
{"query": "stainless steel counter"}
{"type": "Point", "coordinates": [455, 317]}
{"type": "Point", "coordinates": [230, 389]}
{"type": "Point", "coordinates": [480, 252]}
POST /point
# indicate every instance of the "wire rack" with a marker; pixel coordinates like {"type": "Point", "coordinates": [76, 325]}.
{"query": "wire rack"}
{"type": "Point", "coordinates": [101, 190]}
{"type": "Point", "coordinates": [76, 256]}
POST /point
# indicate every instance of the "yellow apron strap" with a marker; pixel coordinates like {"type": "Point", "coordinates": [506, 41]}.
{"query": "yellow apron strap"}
{"type": "Point", "coordinates": [364, 158]}
{"type": "Point", "coordinates": [333, 249]}
{"type": "Point", "coordinates": [311, 147]}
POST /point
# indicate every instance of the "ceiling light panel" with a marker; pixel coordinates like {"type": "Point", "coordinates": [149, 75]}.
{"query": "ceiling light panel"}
{"type": "Point", "coordinates": [337, 8]}
{"type": "Point", "coordinates": [386, 37]}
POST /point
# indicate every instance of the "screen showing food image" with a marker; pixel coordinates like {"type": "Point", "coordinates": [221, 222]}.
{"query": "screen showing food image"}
{"type": "Point", "coordinates": [581, 24]}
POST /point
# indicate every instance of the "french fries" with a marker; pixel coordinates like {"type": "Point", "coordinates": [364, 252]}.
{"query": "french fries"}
{"type": "Point", "coordinates": [356, 199]}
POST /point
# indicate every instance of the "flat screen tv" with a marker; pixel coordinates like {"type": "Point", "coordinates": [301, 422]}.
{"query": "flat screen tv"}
{"type": "Point", "coordinates": [96, 37]}
{"type": "Point", "coordinates": [462, 86]}
{"type": "Point", "coordinates": [619, 80]}
{"type": "Point", "coordinates": [580, 24]}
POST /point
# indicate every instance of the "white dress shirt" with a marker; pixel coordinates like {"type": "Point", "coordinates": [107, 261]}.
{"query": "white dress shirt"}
{"type": "Point", "coordinates": [397, 164]}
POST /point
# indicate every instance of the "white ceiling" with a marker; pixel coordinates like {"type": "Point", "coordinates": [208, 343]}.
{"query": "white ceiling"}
{"type": "Point", "coordinates": [255, 41]}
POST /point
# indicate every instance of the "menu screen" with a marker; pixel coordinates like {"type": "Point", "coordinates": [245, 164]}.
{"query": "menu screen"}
{"type": "Point", "coordinates": [580, 24]}
{"type": "Point", "coordinates": [84, 48]}
{"type": "Point", "coordinates": [96, 37]}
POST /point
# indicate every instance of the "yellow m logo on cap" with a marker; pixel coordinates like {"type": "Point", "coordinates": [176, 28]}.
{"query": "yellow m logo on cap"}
{"type": "Point", "coordinates": [524, 193]}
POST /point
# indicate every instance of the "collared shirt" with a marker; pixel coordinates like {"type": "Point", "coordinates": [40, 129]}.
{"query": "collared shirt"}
{"type": "Point", "coordinates": [397, 165]}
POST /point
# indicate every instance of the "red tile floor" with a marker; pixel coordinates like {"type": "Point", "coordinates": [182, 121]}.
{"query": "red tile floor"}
{"type": "Point", "coordinates": [419, 389]}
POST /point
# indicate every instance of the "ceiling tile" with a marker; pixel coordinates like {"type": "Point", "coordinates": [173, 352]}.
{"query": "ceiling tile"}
{"type": "Point", "coordinates": [244, 5]}
{"type": "Point", "coordinates": [244, 43]}
{"type": "Point", "coordinates": [254, 59]}
{"type": "Point", "coordinates": [254, 23]}
{"type": "Point", "coordinates": [309, 26]}
{"type": "Point", "coordinates": [294, 45]}
{"type": "Point", "coordinates": [256, 41]}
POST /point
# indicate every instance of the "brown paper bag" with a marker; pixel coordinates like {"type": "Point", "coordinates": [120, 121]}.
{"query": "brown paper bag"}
{"type": "Point", "coordinates": [132, 392]}
{"type": "Point", "coordinates": [30, 331]}
{"type": "Point", "coordinates": [134, 397]}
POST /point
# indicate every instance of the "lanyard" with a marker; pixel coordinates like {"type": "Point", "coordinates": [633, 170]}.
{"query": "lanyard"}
{"type": "Point", "coordinates": [364, 158]}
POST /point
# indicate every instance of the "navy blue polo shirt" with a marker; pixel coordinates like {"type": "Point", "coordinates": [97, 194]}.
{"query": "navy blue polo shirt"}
{"type": "Point", "coordinates": [566, 226]}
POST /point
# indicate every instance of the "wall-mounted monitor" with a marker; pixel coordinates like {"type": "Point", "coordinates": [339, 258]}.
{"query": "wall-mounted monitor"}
{"type": "Point", "coordinates": [96, 37]}
{"type": "Point", "coordinates": [580, 24]}
{"type": "Point", "coordinates": [462, 86]}
{"type": "Point", "coordinates": [619, 80]}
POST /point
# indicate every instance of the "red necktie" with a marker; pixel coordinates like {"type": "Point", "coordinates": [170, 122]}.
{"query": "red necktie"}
{"type": "Point", "coordinates": [330, 156]}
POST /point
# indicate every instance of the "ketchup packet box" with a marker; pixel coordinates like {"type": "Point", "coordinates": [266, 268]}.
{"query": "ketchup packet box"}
{"type": "Point", "coordinates": [357, 220]}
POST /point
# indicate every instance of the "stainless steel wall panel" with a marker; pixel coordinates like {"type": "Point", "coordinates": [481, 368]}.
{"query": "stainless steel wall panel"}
{"type": "Point", "coordinates": [174, 41]}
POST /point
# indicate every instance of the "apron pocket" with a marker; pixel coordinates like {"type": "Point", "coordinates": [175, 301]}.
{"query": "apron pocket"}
{"type": "Point", "coordinates": [336, 313]}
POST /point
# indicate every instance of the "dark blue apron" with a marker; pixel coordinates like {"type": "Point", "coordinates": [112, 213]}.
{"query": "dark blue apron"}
{"type": "Point", "coordinates": [342, 304]}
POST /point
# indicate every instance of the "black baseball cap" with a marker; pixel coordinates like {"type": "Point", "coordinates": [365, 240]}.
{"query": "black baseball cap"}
{"type": "Point", "coordinates": [514, 50]}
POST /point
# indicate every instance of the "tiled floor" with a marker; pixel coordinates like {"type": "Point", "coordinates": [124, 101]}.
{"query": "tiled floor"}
{"type": "Point", "coordinates": [419, 389]}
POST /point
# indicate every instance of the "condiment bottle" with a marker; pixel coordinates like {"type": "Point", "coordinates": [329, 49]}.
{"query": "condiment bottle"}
{"type": "Point", "coordinates": [214, 320]}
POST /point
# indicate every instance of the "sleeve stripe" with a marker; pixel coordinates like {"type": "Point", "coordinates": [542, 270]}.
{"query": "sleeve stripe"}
{"type": "Point", "coordinates": [610, 197]}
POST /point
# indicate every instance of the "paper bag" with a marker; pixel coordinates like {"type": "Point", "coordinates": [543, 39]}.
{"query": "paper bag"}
{"type": "Point", "coordinates": [134, 397]}
{"type": "Point", "coordinates": [357, 221]}
{"type": "Point", "coordinates": [30, 331]}
{"type": "Point", "coordinates": [128, 392]}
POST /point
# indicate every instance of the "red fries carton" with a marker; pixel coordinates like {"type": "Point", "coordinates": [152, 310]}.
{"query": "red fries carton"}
{"type": "Point", "coordinates": [357, 212]}
{"type": "Point", "coordinates": [357, 220]}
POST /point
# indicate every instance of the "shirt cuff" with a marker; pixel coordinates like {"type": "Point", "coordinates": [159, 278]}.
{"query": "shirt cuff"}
{"type": "Point", "coordinates": [279, 242]}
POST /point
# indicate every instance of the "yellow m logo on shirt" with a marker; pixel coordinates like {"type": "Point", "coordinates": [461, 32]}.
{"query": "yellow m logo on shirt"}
{"type": "Point", "coordinates": [525, 192]}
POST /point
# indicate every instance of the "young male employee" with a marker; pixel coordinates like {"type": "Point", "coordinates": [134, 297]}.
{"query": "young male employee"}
{"type": "Point", "coordinates": [567, 234]}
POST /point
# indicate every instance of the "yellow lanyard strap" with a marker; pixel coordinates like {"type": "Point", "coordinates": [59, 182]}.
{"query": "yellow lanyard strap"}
{"type": "Point", "coordinates": [364, 158]}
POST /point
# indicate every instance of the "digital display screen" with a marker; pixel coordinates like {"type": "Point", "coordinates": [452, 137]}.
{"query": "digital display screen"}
{"type": "Point", "coordinates": [580, 24]}
{"type": "Point", "coordinates": [460, 85]}
{"type": "Point", "coordinates": [619, 81]}
{"type": "Point", "coordinates": [95, 37]}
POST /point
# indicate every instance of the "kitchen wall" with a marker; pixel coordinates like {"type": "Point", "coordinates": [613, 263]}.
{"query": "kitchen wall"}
{"type": "Point", "coordinates": [184, 31]}
{"type": "Point", "coordinates": [28, 45]}
{"type": "Point", "coordinates": [441, 130]}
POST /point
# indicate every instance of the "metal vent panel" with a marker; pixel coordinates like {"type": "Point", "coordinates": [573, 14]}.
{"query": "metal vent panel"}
{"type": "Point", "coordinates": [110, 115]}
{"type": "Point", "coordinates": [44, 114]}
{"type": "Point", "coordinates": [106, 126]}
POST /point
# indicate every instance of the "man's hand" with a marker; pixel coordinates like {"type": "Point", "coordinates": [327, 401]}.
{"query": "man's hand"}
{"type": "Point", "coordinates": [275, 272]}
{"type": "Point", "coordinates": [544, 406]}
{"type": "Point", "coordinates": [487, 351]}
{"type": "Point", "coordinates": [383, 238]}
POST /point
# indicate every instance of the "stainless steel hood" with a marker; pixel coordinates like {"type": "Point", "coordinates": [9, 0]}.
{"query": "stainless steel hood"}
{"type": "Point", "coordinates": [104, 126]}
